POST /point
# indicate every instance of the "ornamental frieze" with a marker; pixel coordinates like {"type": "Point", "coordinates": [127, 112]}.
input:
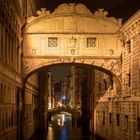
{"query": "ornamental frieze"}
{"type": "Point", "coordinates": [131, 31]}
{"type": "Point", "coordinates": [113, 65]}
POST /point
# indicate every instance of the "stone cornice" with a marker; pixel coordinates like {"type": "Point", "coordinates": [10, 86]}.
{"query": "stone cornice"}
{"type": "Point", "coordinates": [131, 28]}
{"type": "Point", "coordinates": [74, 9]}
{"type": "Point", "coordinates": [130, 21]}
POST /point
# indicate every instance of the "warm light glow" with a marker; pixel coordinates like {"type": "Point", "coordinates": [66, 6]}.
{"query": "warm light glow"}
{"type": "Point", "coordinates": [50, 135]}
{"type": "Point", "coordinates": [63, 117]}
{"type": "Point", "coordinates": [60, 104]}
{"type": "Point", "coordinates": [49, 105]}
{"type": "Point", "coordinates": [63, 97]}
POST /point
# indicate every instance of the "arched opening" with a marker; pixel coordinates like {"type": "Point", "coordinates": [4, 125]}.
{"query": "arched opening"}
{"type": "Point", "coordinates": [85, 87]}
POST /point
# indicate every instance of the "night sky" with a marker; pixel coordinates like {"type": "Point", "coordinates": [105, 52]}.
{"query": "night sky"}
{"type": "Point", "coordinates": [116, 8]}
{"type": "Point", "coordinates": [59, 72]}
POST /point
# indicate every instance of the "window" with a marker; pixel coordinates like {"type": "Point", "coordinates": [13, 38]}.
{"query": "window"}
{"type": "Point", "coordinates": [126, 122]}
{"type": "Point", "coordinates": [118, 119]}
{"type": "Point", "coordinates": [128, 45]}
{"type": "Point", "coordinates": [52, 41]}
{"type": "Point", "coordinates": [128, 80]}
{"type": "Point", "coordinates": [1, 92]}
{"type": "Point", "coordinates": [139, 77]}
{"type": "Point", "coordinates": [100, 87]}
{"type": "Point", "coordinates": [105, 84]}
{"type": "Point", "coordinates": [111, 83]}
{"type": "Point", "coordinates": [0, 120]}
{"type": "Point", "coordinates": [103, 118]}
{"type": "Point", "coordinates": [138, 124]}
{"type": "Point", "coordinates": [91, 42]}
{"type": "Point", "coordinates": [110, 117]}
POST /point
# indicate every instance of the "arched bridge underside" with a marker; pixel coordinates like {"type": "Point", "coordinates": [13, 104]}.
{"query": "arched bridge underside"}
{"type": "Point", "coordinates": [59, 110]}
{"type": "Point", "coordinates": [72, 34]}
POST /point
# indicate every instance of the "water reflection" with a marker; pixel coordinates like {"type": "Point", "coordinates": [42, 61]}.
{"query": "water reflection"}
{"type": "Point", "coordinates": [64, 134]}
{"type": "Point", "coordinates": [50, 133]}
{"type": "Point", "coordinates": [60, 128]}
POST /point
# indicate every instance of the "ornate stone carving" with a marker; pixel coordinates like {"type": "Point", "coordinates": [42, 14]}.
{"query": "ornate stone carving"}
{"type": "Point", "coordinates": [101, 13]}
{"type": "Point", "coordinates": [78, 9]}
{"type": "Point", "coordinates": [73, 42]}
{"type": "Point", "coordinates": [72, 51]}
{"type": "Point", "coordinates": [111, 52]}
{"type": "Point", "coordinates": [43, 12]}
{"type": "Point", "coordinates": [116, 66]}
{"type": "Point", "coordinates": [128, 32]}
{"type": "Point", "coordinates": [72, 8]}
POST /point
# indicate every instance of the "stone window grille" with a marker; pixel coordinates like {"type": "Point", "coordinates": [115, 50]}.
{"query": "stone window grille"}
{"type": "Point", "coordinates": [91, 42]}
{"type": "Point", "coordinates": [52, 41]}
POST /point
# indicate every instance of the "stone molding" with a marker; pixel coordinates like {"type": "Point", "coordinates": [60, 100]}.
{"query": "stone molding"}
{"type": "Point", "coordinates": [109, 64]}
{"type": "Point", "coordinates": [74, 9]}
{"type": "Point", "coordinates": [131, 28]}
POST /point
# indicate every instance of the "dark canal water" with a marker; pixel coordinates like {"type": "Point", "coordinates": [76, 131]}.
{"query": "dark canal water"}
{"type": "Point", "coordinates": [62, 128]}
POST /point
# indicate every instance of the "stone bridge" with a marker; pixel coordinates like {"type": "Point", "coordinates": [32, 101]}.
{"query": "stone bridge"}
{"type": "Point", "coordinates": [72, 34]}
{"type": "Point", "coordinates": [62, 109]}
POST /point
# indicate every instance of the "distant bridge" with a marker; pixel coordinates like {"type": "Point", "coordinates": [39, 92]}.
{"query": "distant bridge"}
{"type": "Point", "coordinates": [62, 109]}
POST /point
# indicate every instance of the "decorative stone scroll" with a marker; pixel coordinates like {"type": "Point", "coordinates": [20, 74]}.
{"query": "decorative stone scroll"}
{"type": "Point", "coordinates": [43, 12]}
{"type": "Point", "coordinates": [73, 8]}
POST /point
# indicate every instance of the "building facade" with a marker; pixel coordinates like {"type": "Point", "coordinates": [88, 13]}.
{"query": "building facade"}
{"type": "Point", "coordinates": [12, 18]}
{"type": "Point", "coordinates": [117, 115]}
{"type": "Point", "coordinates": [111, 108]}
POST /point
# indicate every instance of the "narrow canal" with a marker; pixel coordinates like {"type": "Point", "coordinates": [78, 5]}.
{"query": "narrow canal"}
{"type": "Point", "coordinates": [61, 127]}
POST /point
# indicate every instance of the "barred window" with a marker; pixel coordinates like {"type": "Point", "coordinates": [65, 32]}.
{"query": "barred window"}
{"type": "Point", "coordinates": [138, 124]}
{"type": "Point", "coordinates": [52, 41]}
{"type": "Point", "coordinates": [110, 117]}
{"type": "Point", "coordinates": [128, 45]}
{"type": "Point", "coordinates": [103, 118]}
{"type": "Point", "coordinates": [126, 122]}
{"type": "Point", "coordinates": [118, 119]}
{"type": "Point", "coordinates": [91, 42]}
